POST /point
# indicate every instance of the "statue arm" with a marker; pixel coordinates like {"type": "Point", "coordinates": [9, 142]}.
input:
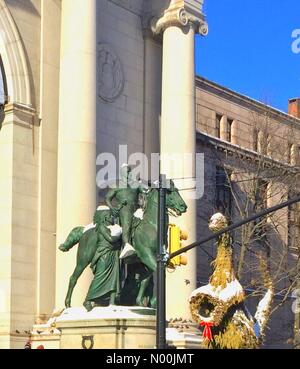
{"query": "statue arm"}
{"type": "Point", "coordinates": [142, 193]}
{"type": "Point", "coordinates": [109, 198]}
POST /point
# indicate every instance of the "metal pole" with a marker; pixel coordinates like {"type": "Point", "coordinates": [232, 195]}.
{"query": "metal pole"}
{"type": "Point", "coordinates": [161, 267]}
{"type": "Point", "coordinates": [237, 225]}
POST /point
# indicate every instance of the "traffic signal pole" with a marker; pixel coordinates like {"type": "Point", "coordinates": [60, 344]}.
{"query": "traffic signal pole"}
{"type": "Point", "coordinates": [253, 217]}
{"type": "Point", "coordinates": [162, 259]}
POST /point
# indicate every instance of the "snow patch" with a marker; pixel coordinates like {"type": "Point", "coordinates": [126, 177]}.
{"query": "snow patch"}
{"type": "Point", "coordinates": [262, 309]}
{"type": "Point", "coordinates": [103, 208]}
{"type": "Point", "coordinates": [115, 230]}
{"type": "Point", "coordinates": [232, 289]}
{"type": "Point", "coordinates": [102, 313]}
{"type": "Point", "coordinates": [88, 227]}
{"type": "Point", "coordinates": [139, 214]}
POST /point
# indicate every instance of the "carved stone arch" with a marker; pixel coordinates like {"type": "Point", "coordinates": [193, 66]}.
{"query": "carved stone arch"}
{"type": "Point", "coordinates": [14, 59]}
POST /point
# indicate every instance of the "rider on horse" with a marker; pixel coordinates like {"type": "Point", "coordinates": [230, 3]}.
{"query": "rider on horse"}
{"type": "Point", "coordinates": [126, 195]}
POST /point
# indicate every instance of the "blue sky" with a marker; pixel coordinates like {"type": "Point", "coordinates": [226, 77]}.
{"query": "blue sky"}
{"type": "Point", "coordinates": [249, 50]}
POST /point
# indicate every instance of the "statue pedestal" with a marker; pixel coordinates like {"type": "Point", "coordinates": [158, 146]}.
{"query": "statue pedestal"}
{"type": "Point", "coordinates": [113, 327]}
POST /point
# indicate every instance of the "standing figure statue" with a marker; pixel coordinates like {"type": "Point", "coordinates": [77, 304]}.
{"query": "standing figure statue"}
{"type": "Point", "coordinates": [105, 287]}
{"type": "Point", "coordinates": [99, 246]}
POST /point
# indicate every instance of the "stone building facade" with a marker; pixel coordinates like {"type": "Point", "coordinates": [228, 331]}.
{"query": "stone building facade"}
{"type": "Point", "coordinates": [251, 144]}
{"type": "Point", "coordinates": [81, 78]}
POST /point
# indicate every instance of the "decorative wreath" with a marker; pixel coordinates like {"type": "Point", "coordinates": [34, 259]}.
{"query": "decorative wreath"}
{"type": "Point", "coordinates": [208, 309]}
{"type": "Point", "coordinates": [209, 312]}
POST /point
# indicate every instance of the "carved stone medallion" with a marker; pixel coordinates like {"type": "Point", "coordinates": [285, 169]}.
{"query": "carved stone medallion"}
{"type": "Point", "coordinates": [110, 74]}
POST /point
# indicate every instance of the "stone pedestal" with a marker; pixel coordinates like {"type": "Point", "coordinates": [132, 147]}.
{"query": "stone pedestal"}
{"type": "Point", "coordinates": [113, 327]}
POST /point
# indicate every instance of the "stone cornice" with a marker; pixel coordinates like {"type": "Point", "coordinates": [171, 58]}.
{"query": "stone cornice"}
{"type": "Point", "coordinates": [19, 114]}
{"type": "Point", "coordinates": [248, 102]}
{"type": "Point", "coordinates": [245, 154]}
{"type": "Point", "coordinates": [19, 107]}
{"type": "Point", "coordinates": [180, 13]}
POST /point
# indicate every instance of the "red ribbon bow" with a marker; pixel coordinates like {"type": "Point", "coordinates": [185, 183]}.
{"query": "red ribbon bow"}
{"type": "Point", "coordinates": [207, 333]}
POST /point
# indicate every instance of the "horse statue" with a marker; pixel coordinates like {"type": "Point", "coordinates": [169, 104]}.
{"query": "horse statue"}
{"type": "Point", "coordinates": [144, 241]}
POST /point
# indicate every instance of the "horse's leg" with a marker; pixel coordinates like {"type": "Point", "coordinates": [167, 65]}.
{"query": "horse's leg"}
{"type": "Point", "coordinates": [88, 305]}
{"type": "Point", "coordinates": [150, 294]}
{"type": "Point", "coordinates": [148, 258]}
{"type": "Point", "coordinates": [112, 300]}
{"type": "Point", "coordinates": [150, 262]}
{"type": "Point", "coordinates": [85, 253]}
{"type": "Point", "coordinates": [142, 291]}
{"type": "Point", "coordinates": [73, 281]}
{"type": "Point", "coordinates": [153, 302]}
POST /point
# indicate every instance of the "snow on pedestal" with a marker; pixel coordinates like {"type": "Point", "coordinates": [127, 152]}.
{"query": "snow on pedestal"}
{"type": "Point", "coordinates": [112, 327]}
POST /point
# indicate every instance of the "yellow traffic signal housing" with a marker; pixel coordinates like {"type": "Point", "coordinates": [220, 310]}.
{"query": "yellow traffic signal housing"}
{"type": "Point", "coordinates": [175, 238]}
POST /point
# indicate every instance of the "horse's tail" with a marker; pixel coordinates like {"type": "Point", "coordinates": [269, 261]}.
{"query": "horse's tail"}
{"type": "Point", "coordinates": [72, 240]}
{"type": "Point", "coordinates": [263, 311]}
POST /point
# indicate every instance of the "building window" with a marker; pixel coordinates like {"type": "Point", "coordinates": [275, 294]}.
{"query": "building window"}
{"type": "Point", "coordinates": [268, 145]}
{"type": "Point", "coordinates": [229, 129]}
{"type": "Point", "coordinates": [223, 192]}
{"type": "Point", "coordinates": [262, 194]}
{"type": "Point", "coordinates": [261, 203]}
{"type": "Point", "coordinates": [294, 227]}
{"type": "Point", "coordinates": [261, 224]}
{"type": "Point", "coordinates": [255, 139]}
{"type": "Point", "coordinates": [289, 153]}
{"type": "Point", "coordinates": [218, 125]}
{"type": "Point", "coordinates": [262, 143]}
{"type": "Point", "coordinates": [293, 154]}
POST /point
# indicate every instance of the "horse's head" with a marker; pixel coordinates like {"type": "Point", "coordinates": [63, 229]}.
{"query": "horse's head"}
{"type": "Point", "coordinates": [174, 201]}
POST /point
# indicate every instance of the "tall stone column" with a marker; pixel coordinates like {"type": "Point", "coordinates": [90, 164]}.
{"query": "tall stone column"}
{"type": "Point", "coordinates": [178, 132]}
{"type": "Point", "coordinates": [76, 192]}
{"type": "Point", "coordinates": [152, 94]}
